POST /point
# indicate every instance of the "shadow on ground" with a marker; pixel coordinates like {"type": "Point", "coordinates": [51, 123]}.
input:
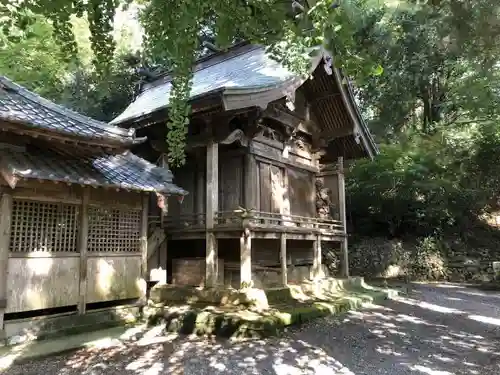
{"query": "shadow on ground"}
{"type": "Point", "coordinates": [436, 330]}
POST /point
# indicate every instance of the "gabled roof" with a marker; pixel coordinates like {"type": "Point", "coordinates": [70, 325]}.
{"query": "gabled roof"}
{"type": "Point", "coordinates": [124, 171]}
{"type": "Point", "coordinates": [23, 108]}
{"type": "Point", "coordinates": [246, 76]}
{"type": "Point", "coordinates": [251, 68]}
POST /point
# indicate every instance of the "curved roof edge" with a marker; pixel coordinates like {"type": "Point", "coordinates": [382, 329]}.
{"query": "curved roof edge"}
{"type": "Point", "coordinates": [20, 106]}
{"type": "Point", "coordinates": [248, 77]}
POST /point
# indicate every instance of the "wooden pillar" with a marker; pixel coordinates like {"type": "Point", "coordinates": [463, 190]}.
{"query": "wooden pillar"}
{"type": "Point", "coordinates": [284, 269]}
{"type": "Point", "coordinates": [82, 249]}
{"type": "Point", "coordinates": [246, 259]}
{"type": "Point", "coordinates": [342, 214]}
{"type": "Point", "coordinates": [201, 194]}
{"type": "Point", "coordinates": [5, 225]}
{"type": "Point", "coordinates": [212, 204]}
{"type": "Point", "coordinates": [317, 261]}
{"type": "Point", "coordinates": [251, 182]}
{"type": "Point", "coordinates": [143, 246]}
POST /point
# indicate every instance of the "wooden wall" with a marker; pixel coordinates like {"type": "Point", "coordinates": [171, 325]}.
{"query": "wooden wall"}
{"type": "Point", "coordinates": [52, 264]}
{"type": "Point", "coordinates": [231, 186]}
{"type": "Point", "coordinates": [283, 184]}
{"type": "Point", "coordinates": [286, 185]}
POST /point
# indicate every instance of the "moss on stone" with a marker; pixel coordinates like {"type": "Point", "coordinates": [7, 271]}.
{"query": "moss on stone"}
{"type": "Point", "coordinates": [247, 323]}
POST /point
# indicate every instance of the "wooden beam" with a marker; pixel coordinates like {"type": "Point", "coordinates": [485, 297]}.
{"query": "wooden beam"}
{"type": "Point", "coordinates": [246, 259]}
{"type": "Point", "coordinates": [284, 269]}
{"type": "Point", "coordinates": [285, 117]}
{"type": "Point", "coordinates": [288, 118]}
{"type": "Point", "coordinates": [5, 226]}
{"type": "Point", "coordinates": [342, 214]}
{"type": "Point", "coordinates": [82, 249]}
{"type": "Point", "coordinates": [326, 96]}
{"type": "Point", "coordinates": [330, 135]}
{"type": "Point", "coordinates": [212, 205]}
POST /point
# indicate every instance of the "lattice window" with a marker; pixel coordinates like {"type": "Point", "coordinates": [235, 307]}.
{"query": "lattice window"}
{"type": "Point", "coordinates": [114, 230]}
{"type": "Point", "coordinates": [41, 226]}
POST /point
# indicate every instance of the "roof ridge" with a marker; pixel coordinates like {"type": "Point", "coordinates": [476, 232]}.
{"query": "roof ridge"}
{"type": "Point", "coordinates": [8, 84]}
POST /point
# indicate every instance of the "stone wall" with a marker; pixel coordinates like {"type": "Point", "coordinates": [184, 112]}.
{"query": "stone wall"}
{"type": "Point", "coordinates": [423, 259]}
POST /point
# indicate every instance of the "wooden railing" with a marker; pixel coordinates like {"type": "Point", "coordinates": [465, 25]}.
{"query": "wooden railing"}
{"type": "Point", "coordinates": [268, 219]}
{"type": "Point", "coordinates": [185, 221]}
{"type": "Point", "coordinates": [256, 219]}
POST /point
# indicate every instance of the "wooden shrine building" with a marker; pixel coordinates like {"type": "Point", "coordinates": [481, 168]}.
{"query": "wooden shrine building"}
{"type": "Point", "coordinates": [73, 213]}
{"type": "Point", "coordinates": [265, 154]}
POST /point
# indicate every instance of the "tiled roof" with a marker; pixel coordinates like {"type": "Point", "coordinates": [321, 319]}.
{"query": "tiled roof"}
{"type": "Point", "coordinates": [251, 69]}
{"type": "Point", "coordinates": [20, 106]}
{"type": "Point", "coordinates": [125, 171]}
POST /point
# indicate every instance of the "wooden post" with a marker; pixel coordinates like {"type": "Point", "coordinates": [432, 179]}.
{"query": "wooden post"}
{"type": "Point", "coordinates": [284, 269]}
{"type": "Point", "coordinates": [251, 182]}
{"type": "Point", "coordinates": [212, 204]}
{"type": "Point", "coordinates": [246, 259]}
{"type": "Point", "coordinates": [82, 249]}
{"type": "Point", "coordinates": [144, 245]}
{"type": "Point", "coordinates": [317, 258]}
{"type": "Point", "coordinates": [201, 194]}
{"type": "Point", "coordinates": [342, 214]}
{"type": "Point", "coordinates": [5, 225]}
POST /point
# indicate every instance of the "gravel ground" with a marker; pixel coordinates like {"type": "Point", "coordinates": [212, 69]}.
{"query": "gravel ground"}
{"type": "Point", "coordinates": [437, 330]}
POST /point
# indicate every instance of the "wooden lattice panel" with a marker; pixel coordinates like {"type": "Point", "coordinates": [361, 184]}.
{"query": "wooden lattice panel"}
{"type": "Point", "coordinates": [41, 226]}
{"type": "Point", "coordinates": [114, 230]}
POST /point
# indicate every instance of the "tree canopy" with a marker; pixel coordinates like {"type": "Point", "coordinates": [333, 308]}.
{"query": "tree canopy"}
{"type": "Point", "coordinates": [172, 30]}
{"type": "Point", "coordinates": [427, 79]}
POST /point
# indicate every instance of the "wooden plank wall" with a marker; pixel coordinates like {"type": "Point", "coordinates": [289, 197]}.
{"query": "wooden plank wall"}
{"type": "Point", "coordinates": [285, 187]}
{"type": "Point", "coordinates": [302, 192]}
{"type": "Point", "coordinates": [231, 173]}
{"type": "Point", "coordinates": [51, 270]}
{"type": "Point", "coordinates": [185, 177]}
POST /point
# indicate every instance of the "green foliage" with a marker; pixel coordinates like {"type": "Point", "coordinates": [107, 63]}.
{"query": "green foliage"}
{"type": "Point", "coordinates": [416, 186]}
{"type": "Point", "coordinates": [435, 111]}
{"type": "Point", "coordinates": [86, 91]}
{"type": "Point", "coordinates": [172, 29]}
{"type": "Point", "coordinates": [33, 59]}
{"type": "Point", "coordinates": [439, 66]}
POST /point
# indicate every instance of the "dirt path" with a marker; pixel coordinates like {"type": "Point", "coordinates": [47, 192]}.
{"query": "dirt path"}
{"type": "Point", "coordinates": [437, 330]}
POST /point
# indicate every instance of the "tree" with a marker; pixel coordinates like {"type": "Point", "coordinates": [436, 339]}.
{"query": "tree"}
{"type": "Point", "coordinates": [33, 59]}
{"type": "Point", "coordinates": [435, 113]}
{"type": "Point", "coordinates": [172, 29]}
{"type": "Point", "coordinates": [439, 68]}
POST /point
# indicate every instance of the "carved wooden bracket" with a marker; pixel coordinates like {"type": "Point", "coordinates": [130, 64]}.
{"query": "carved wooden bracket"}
{"type": "Point", "coordinates": [236, 136]}
{"type": "Point", "coordinates": [9, 178]}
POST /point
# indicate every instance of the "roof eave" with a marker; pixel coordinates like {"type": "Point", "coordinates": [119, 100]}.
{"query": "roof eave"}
{"type": "Point", "coordinates": [23, 127]}
{"type": "Point", "coordinates": [360, 127]}
{"type": "Point", "coordinates": [130, 120]}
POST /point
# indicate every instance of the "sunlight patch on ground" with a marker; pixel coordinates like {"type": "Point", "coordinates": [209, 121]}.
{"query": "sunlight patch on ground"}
{"type": "Point", "coordinates": [485, 319]}
{"type": "Point", "coordinates": [429, 306]}
{"type": "Point", "coordinates": [446, 285]}
{"type": "Point", "coordinates": [428, 371]}
{"type": "Point", "coordinates": [479, 294]}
